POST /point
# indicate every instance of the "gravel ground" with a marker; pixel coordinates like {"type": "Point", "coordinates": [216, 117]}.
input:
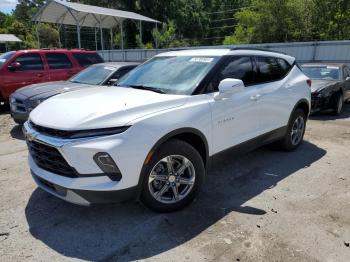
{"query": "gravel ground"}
{"type": "Point", "coordinates": [263, 206]}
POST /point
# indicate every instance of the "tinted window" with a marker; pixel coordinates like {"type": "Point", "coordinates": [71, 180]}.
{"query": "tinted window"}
{"type": "Point", "coordinates": [122, 71]}
{"type": "Point", "coordinates": [86, 59]}
{"type": "Point", "coordinates": [58, 61]}
{"type": "Point", "coordinates": [271, 69]}
{"type": "Point", "coordinates": [236, 67]}
{"type": "Point", "coordinates": [30, 62]}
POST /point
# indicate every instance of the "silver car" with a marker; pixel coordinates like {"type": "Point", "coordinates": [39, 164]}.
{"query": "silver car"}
{"type": "Point", "coordinates": [25, 99]}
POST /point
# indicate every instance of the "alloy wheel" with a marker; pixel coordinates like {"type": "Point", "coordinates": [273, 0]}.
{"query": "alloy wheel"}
{"type": "Point", "coordinates": [297, 130]}
{"type": "Point", "coordinates": [171, 179]}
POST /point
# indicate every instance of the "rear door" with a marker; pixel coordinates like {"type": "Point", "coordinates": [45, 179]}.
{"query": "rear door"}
{"type": "Point", "coordinates": [86, 59]}
{"type": "Point", "coordinates": [235, 119]}
{"type": "Point", "coordinates": [275, 94]}
{"type": "Point", "coordinates": [31, 71]}
{"type": "Point", "coordinates": [60, 67]}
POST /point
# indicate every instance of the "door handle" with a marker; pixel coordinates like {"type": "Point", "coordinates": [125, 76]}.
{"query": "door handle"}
{"type": "Point", "coordinates": [39, 75]}
{"type": "Point", "coordinates": [256, 97]}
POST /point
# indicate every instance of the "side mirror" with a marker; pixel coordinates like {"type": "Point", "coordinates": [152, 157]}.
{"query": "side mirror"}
{"type": "Point", "coordinates": [228, 87]}
{"type": "Point", "coordinates": [112, 81]}
{"type": "Point", "coordinates": [14, 66]}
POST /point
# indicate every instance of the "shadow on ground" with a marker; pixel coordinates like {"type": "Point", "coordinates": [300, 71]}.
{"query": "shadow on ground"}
{"type": "Point", "coordinates": [129, 231]}
{"type": "Point", "coordinates": [328, 115]}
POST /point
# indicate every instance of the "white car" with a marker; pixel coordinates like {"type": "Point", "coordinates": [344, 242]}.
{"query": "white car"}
{"type": "Point", "coordinates": [153, 137]}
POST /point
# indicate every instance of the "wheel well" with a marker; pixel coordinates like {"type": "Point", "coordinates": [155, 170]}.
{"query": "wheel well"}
{"type": "Point", "coordinates": [305, 107]}
{"type": "Point", "coordinates": [194, 140]}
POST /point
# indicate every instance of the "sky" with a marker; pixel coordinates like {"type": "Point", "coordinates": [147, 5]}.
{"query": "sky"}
{"type": "Point", "coordinates": [6, 6]}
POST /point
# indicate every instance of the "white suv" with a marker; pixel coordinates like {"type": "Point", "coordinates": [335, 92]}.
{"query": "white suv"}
{"type": "Point", "coordinates": [152, 137]}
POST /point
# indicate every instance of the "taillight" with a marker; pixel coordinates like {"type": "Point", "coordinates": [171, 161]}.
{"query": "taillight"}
{"type": "Point", "coordinates": [309, 82]}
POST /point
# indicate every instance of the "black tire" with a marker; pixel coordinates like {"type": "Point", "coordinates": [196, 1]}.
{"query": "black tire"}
{"type": "Point", "coordinates": [287, 143]}
{"type": "Point", "coordinates": [338, 103]}
{"type": "Point", "coordinates": [173, 148]}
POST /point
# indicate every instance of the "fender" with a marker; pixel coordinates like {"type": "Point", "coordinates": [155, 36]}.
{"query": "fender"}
{"type": "Point", "coordinates": [168, 136]}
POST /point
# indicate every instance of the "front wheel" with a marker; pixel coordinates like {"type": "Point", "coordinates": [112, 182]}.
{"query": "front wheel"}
{"type": "Point", "coordinates": [338, 104]}
{"type": "Point", "coordinates": [295, 131]}
{"type": "Point", "coordinates": [173, 177]}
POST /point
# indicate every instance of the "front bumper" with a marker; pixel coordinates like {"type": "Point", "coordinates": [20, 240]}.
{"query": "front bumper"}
{"type": "Point", "coordinates": [319, 102]}
{"type": "Point", "coordinates": [19, 117]}
{"type": "Point", "coordinates": [86, 197]}
{"type": "Point", "coordinates": [92, 187]}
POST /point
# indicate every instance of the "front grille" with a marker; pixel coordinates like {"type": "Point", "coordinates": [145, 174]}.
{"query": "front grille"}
{"type": "Point", "coordinates": [18, 105]}
{"type": "Point", "coordinates": [50, 159]}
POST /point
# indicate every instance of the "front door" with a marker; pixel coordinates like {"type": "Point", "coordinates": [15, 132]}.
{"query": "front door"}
{"type": "Point", "coordinates": [235, 119]}
{"type": "Point", "coordinates": [31, 71]}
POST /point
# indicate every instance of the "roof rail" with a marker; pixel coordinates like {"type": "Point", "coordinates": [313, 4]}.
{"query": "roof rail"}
{"type": "Point", "coordinates": [257, 49]}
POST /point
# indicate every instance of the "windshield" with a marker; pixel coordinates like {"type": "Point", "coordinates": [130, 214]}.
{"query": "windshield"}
{"type": "Point", "coordinates": [6, 56]}
{"type": "Point", "coordinates": [93, 75]}
{"type": "Point", "coordinates": [322, 72]}
{"type": "Point", "coordinates": [172, 75]}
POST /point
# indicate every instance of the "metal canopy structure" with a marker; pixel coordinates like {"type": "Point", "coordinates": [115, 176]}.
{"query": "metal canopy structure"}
{"type": "Point", "coordinates": [6, 38]}
{"type": "Point", "coordinates": [62, 12]}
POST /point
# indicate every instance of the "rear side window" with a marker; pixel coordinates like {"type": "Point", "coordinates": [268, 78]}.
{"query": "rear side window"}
{"type": "Point", "coordinates": [239, 67]}
{"type": "Point", "coordinates": [271, 69]}
{"type": "Point", "coordinates": [58, 61]}
{"type": "Point", "coordinates": [30, 62]}
{"type": "Point", "coordinates": [86, 59]}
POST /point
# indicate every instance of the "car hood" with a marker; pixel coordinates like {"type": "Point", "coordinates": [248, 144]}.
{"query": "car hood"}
{"type": "Point", "coordinates": [101, 107]}
{"type": "Point", "coordinates": [43, 90]}
{"type": "Point", "coordinates": [318, 85]}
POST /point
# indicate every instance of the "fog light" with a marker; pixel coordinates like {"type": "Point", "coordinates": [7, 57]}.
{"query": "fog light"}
{"type": "Point", "coordinates": [108, 166]}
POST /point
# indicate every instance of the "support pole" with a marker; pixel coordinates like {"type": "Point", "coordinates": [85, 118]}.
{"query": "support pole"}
{"type": "Point", "coordinates": [111, 32]}
{"type": "Point", "coordinates": [140, 25]}
{"type": "Point", "coordinates": [156, 37]}
{"type": "Point", "coordinates": [101, 32]}
{"type": "Point", "coordinates": [78, 31]}
{"type": "Point", "coordinates": [95, 37]}
{"type": "Point", "coordinates": [122, 34]}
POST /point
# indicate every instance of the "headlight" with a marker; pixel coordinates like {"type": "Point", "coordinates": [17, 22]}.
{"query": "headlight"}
{"type": "Point", "coordinates": [108, 166]}
{"type": "Point", "coordinates": [12, 100]}
{"type": "Point", "coordinates": [37, 102]}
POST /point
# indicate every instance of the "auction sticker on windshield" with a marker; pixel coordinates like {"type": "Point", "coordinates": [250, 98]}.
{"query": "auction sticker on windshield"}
{"type": "Point", "coordinates": [201, 59]}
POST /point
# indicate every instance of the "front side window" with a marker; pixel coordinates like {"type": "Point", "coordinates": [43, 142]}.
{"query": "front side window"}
{"type": "Point", "coordinates": [5, 57]}
{"type": "Point", "coordinates": [94, 75]}
{"type": "Point", "coordinates": [236, 67]}
{"type": "Point", "coordinates": [322, 72]}
{"type": "Point", "coordinates": [170, 74]}
{"type": "Point", "coordinates": [58, 61]}
{"type": "Point", "coordinates": [270, 69]}
{"type": "Point", "coordinates": [30, 62]}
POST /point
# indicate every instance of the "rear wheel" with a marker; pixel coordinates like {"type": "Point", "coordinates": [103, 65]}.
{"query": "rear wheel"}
{"type": "Point", "coordinates": [173, 177]}
{"type": "Point", "coordinates": [295, 131]}
{"type": "Point", "coordinates": [338, 103]}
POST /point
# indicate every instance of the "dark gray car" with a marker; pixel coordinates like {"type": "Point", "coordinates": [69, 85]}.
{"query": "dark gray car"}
{"type": "Point", "coordinates": [330, 86]}
{"type": "Point", "coordinates": [27, 98]}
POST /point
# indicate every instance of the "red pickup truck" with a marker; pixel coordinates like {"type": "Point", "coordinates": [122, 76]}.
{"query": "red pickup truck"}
{"type": "Point", "coordinates": [26, 67]}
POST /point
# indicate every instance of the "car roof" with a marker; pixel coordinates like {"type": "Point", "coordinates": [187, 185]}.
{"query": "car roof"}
{"type": "Point", "coordinates": [323, 64]}
{"type": "Point", "coordinates": [58, 50]}
{"type": "Point", "coordinates": [117, 65]}
{"type": "Point", "coordinates": [226, 51]}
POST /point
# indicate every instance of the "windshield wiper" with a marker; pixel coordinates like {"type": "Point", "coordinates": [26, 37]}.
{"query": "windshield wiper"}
{"type": "Point", "coordinates": [148, 88]}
